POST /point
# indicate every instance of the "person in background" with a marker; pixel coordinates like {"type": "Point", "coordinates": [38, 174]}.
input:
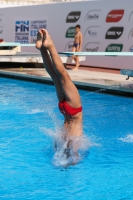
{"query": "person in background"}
{"type": "Point", "coordinates": [77, 45]}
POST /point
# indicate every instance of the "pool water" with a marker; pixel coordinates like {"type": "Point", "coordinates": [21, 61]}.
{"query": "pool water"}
{"type": "Point", "coordinates": [29, 116]}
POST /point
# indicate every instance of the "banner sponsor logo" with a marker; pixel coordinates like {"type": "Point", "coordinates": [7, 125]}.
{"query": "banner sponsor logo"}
{"type": "Point", "coordinates": [1, 18]}
{"type": "Point", "coordinates": [95, 16]}
{"type": "Point", "coordinates": [73, 17]}
{"type": "Point", "coordinates": [26, 31]}
{"type": "Point", "coordinates": [92, 31]}
{"type": "Point", "coordinates": [22, 31]}
{"type": "Point", "coordinates": [130, 35]}
{"type": "Point", "coordinates": [22, 26]}
{"type": "Point", "coordinates": [131, 49]}
{"type": "Point", "coordinates": [1, 31]}
{"type": "Point", "coordinates": [114, 33]}
{"type": "Point", "coordinates": [114, 48]}
{"type": "Point", "coordinates": [114, 15]}
{"type": "Point", "coordinates": [131, 16]}
{"type": "Point", "coordinates": [69, 46]}
{"type": "Point", "coordinates": [92, 15]}
{"type": "Point", "coordinates": [70, 33]}
{"type": "Point", "coordinates": [91, 47]}
{"type": "Point", "coordinates": [35, 25]}
{"type": "Point", "coordinates": [1, 40]}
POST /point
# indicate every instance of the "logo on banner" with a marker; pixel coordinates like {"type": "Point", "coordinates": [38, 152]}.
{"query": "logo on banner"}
{"type": "Point", "coordinates": [130, 35]}
{"type": "Point", "coordinates": [26, 31]}
{"type": "Point", "coordinates": [92, 31]}
{"type": "Point", "coordinates": [131, 49]}
{"type": "Point", "coordinates": [35, 25]}
{"type": "Point", "coordinates": [1, 17]}
{"type": "Point", "coordinates": [92, 47]}
{"type": "Point", "coordinates": [92, 15]}
{"type": "Point", "coordinates": [1, 40]}
{"type": "Point", "coordinates": [69, 46]}
{"type": "Point", "coordinates": [73, 17]}
{"type": "Point", "coordinates": [114, 33]}
{"type": "Point", "coordinates": [114, 48]}
{"type": "Point", "coordinates": [1, 31]}
{"type": "Point", "coordinates": [114, 15]}
{"type": "Point", "coordinates": [22, 26]}
{"type": "Point", "coordinates": [130, 16]}
{"type": "Point", "coordinates": [70, 33]}
{"type": "Point", "coordinates": [22, 31]}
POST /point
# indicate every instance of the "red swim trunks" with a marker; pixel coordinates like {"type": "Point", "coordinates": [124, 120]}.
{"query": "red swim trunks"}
{"type": "Point", "coordinates": [66, 109]}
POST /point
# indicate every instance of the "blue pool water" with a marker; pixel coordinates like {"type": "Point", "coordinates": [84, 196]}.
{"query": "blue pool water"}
{"type": "Point", "coordinates": [29, 117]}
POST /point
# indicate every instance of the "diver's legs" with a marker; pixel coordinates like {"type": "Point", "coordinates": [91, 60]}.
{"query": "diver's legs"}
{"type": "Point", "coordinates": [69, 89]}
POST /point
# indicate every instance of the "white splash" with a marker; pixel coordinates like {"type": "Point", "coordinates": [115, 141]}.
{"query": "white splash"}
{"type": "Point", "coordinates": [63, 151]}
{"type": "Point", "coordinates": [34, 111]}
{"type": "Point", "coordinates": [64, 148]}
{"type": "Point", "coordinates": [128, 138]}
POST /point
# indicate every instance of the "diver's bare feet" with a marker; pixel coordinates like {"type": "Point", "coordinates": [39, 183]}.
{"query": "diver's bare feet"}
{"type": "Point", "coordinates": [76, 68]}
{"type": "Point", "coordinates": [47, 41]}
{"type": "Point", "coordinates": [39, 39]}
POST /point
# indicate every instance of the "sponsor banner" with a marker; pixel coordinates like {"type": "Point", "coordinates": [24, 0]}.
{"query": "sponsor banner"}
{"type": "Point", "coordinates": [69, 46]}
{"type": "Point", "coordinates": [131, 49]}
{"type": "Point", "coordinates": [114, 16]}
{"type": "Point", "coordinates": [130, 35]}
{"type": "Point", "coordinates": [114, 33]}
{"type": "Point", "coordinates": [92, 31]}
{"type": "Point", "coordinates": [92, 15]}
{"type": "Point", "coordinates": [70, 33]}
{"type": "Point", "coordinates": [92, 47]}
{"type": "Point", "coordinates": [26, 30]}
{"type": "Point", "coordinates": [98, 35]}
{"type": "Point", "coordinates": [73, 17]}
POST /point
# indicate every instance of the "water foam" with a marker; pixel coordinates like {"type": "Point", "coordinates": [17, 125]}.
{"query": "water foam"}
{"type": "Point", "coordinates": [63, 149]}
{"type": "Point", "coordinates": [35, 111]}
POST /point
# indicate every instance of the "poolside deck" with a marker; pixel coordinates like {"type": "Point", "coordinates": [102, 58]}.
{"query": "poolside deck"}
{"type": "Point", "coordinates": [103, 80]}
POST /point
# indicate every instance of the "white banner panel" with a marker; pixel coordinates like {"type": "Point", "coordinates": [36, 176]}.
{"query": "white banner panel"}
{"type": "Point", "coordinates": [106, 26]}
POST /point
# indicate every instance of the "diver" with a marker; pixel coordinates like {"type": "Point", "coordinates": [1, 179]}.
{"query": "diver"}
{"type": "Point", "coordinates": [67, 93]}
